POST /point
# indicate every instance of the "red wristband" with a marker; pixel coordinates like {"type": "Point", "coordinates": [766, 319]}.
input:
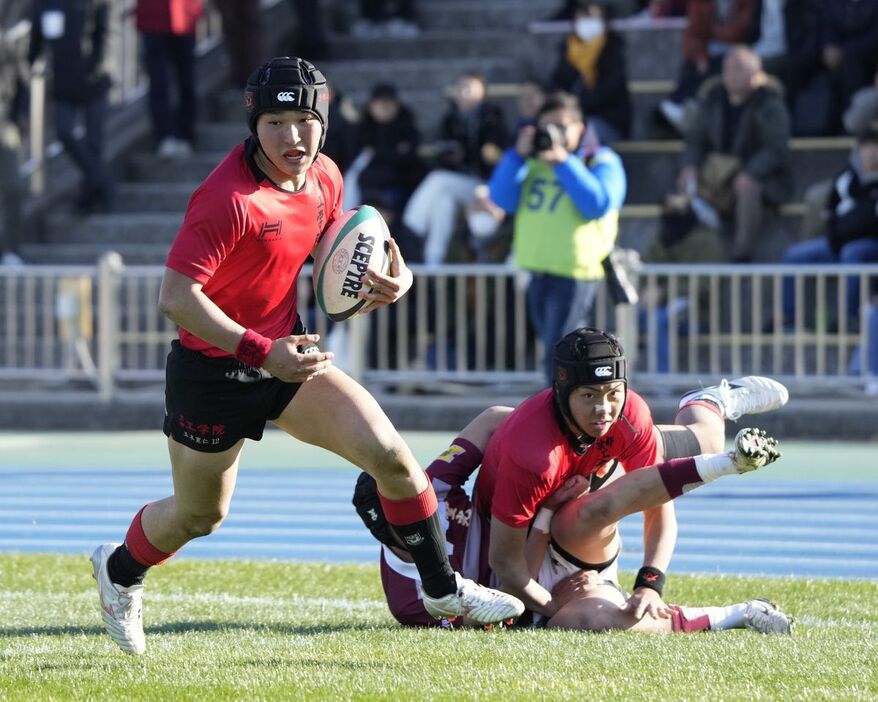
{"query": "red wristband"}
{"type": "Point", "coordinates": [253, 348]}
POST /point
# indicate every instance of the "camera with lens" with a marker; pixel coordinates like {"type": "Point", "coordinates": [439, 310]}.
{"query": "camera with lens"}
{"type": "Point", "coordinates": [546, 136]}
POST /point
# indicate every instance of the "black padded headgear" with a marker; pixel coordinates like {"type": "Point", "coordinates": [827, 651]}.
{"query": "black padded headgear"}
{"type": "Point", "coordinates": [586, 356]}
{"type": "Point", "coordinates": [287, 83]}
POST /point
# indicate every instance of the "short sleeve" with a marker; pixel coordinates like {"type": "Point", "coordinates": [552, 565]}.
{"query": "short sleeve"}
{"type": "Point", "coordinates": [213, 224]}
{"type": "Point", "coordinates": [518, 494]}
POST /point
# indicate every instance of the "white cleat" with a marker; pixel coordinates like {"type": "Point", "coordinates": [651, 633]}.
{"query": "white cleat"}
{"type": "Point", "coordinates": [764, 616]}
{"type": "Point", "coordinates": [754, 449]}
{"type": "Point", "coordinates": [121, 607]}
{"type": "Point", "coordinates": [750, 394]}
{"type": "Point", "coordinates": [474, 601]}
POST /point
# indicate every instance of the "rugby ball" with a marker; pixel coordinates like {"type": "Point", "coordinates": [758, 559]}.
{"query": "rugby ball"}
{"type": "Point", "coordinates": [357, 240]}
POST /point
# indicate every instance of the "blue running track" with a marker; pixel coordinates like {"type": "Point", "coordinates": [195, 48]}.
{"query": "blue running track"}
{"type": "Point", "coordinates": [748, 527]}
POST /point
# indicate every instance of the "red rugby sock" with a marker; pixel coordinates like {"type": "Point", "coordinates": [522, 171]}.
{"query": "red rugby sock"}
{"type": "Point", "coordinates": [139, 547]}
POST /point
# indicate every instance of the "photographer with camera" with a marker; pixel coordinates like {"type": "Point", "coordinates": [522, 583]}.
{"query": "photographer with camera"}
{"type": "Point", "coordinates": [566, 198]}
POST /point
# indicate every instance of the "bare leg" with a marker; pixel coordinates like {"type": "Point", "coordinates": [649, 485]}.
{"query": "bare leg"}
{"type": "Point", "coordinates": [602, 610]}
{"type": "Point", "coordinates": [707, 424]}
{"type": "Point", "coordinates": [203, 488]}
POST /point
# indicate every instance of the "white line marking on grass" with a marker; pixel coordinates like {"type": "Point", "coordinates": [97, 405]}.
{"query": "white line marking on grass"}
{"type": "Point", "coordinates": [13, 596]}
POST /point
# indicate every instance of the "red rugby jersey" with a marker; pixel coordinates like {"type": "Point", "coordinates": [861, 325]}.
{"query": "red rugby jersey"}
{"type": "Point", "coordinates": [245, 240]}
{"type": "Point", "coordinates": [529, 456]}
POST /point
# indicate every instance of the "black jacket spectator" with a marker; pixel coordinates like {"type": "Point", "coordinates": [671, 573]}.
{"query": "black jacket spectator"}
{"type": "Point", "coordinates": [469, 132]}
{"type": "Point", "coordinates": [79, 72]}
{"type": "Point", "coordinates": [758, 137]}
{"type": "Point", "coordinates": [609, 98]}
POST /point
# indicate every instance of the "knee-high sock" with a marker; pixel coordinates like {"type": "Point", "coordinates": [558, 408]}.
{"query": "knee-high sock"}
{"type": "Point", "coordinates": [416, 520]}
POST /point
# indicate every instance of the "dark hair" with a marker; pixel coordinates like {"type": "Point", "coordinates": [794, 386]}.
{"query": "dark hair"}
{"type": "Point", "coordinates": [560, 100]}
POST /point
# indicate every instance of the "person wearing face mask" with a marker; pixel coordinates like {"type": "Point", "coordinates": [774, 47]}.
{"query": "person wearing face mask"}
{"type": "Point", "coordinates": [472, 136]}
{"type": "Point", "coordinates": [592, 67]}
{"type": "Point", "coordinates": [582, 448]}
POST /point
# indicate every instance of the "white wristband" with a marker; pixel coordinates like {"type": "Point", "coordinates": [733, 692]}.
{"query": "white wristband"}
{"type": "Point", "coordinates": [543, 520]}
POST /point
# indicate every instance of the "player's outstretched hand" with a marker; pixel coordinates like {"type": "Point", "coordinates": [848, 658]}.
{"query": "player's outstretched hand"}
{"type": "Point", "coordinates": [647, 601]}
{"type": "Point", "coordinates": [387, 289]}
{"type": "Point", "coordinates": [286, 363]}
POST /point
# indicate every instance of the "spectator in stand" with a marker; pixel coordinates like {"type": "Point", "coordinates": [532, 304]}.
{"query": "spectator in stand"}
{"type": "Point", "coordinates": [863, 109]}
{"type": "Point", "coordinates": [713, 25]}
{"type": "Point", "coordinates": [76, 32]}
{"type": "Point", "coordinates": [311, 41]}
{"type": "Point", "coordinates": [530, 98]}
{"type": "Point", "coordinates": [341, 132]}
{"type": "Point", "coordinates": [592, 67]}
{"type": "Point", "coordinates": [851, 215]}
{"type": "Point", "coordinates": [472, 136]}
{"type": "Point", "coordinates": [10, 146]}
{"type": "Point", "coordinates": [388, 161]}
{"type": "Point", "coordinates": [849, 48]}
{"type": "Point", "coordinates": [737, 153]}
{"type": "Point", "coordinates": [242, 37]}
{"type": "Point", "coordinates": [387, 18]}
{"type": "Point", "coordinates": [789, 47]}
{"type": "Point", "coordinates": [566, 202]}
{"type": "Point", "coordinates": [168, 30]}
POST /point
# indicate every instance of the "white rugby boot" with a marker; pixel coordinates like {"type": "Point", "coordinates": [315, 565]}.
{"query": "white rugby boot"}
{"type": "Point", "coordinates": [750, 394]}
{"type": "Point", "coordinates": [474, 601]}
{"type": "Point", "coordinates": [754, 449]}
{"type": "Point", "coordinates": [764, 616]}
{"type": "Point", "coordinates": [121, 607]}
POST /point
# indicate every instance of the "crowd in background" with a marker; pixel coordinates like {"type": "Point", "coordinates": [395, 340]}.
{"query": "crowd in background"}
{"type": "Point", "coordinates": [753, 74]}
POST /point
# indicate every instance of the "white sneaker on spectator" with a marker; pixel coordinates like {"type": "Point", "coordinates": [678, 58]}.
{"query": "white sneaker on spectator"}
{"type": "Point", "coordinates": [474, 601]}
{"type": "Point", "coordinates": [674, 113]}
{"type": "Point", "coordinates": [750, 394]}
{"type": "Point", "coordinates": [121, 607]}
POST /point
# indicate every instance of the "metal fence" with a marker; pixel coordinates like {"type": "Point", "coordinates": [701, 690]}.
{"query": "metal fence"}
{"type": "Point", "coordinates": [461, 328]}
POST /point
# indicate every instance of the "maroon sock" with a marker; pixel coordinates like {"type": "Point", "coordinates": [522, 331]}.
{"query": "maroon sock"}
{"type": "Point", "coordinates": [677, 473]}
{"type": "Point", "coordinates": [679, 622]}
{"type": "Point", "coordinates": [457, 463]}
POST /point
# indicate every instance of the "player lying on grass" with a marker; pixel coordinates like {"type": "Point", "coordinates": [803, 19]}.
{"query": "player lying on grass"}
{"type": "Point", "coordinates": [579, 428]}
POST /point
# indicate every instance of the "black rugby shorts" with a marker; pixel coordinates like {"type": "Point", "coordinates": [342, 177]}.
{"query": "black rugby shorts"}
{"type": "Point", "coordinates": [212, 403]}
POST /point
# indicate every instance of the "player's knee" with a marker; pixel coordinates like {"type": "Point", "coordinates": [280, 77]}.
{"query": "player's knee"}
{"type": "Point", "coordinates": [203, 524]}
{"type": "Point", "coordinates": [388, 464]}
{"type": "Point", "coordinates": [596, 516]}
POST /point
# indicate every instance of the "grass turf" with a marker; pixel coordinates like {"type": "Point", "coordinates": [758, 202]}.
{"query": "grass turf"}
{"type": "Point", "coordinates": [236, 630]}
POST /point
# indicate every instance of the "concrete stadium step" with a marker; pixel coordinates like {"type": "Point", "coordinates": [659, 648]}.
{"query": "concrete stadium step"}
{"type": "Point", "coordinates": [408, 73]}
{"type": "Point", "coordinates": [121, 227]}
{"type": "Point", "coordinates": [88, 253]}
{"type": "Point", "coordinates": [652, 166]}
{"type": "Point", "coordinates": [466, 14]}
{"type": "Point", "coordinates": [224, 136]}
{"type": "Point", "coordinates": [149, 168]}
{"type": "Point", "coordinates": [153, 197]}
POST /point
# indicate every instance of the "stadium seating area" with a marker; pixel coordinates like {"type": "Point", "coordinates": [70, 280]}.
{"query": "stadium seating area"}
{"type": "Point", "coordinates": [492, 37]}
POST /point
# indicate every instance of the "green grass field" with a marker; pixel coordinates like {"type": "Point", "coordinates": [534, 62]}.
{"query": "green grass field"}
{"type": "Point", "coordinates": [233, 630]}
